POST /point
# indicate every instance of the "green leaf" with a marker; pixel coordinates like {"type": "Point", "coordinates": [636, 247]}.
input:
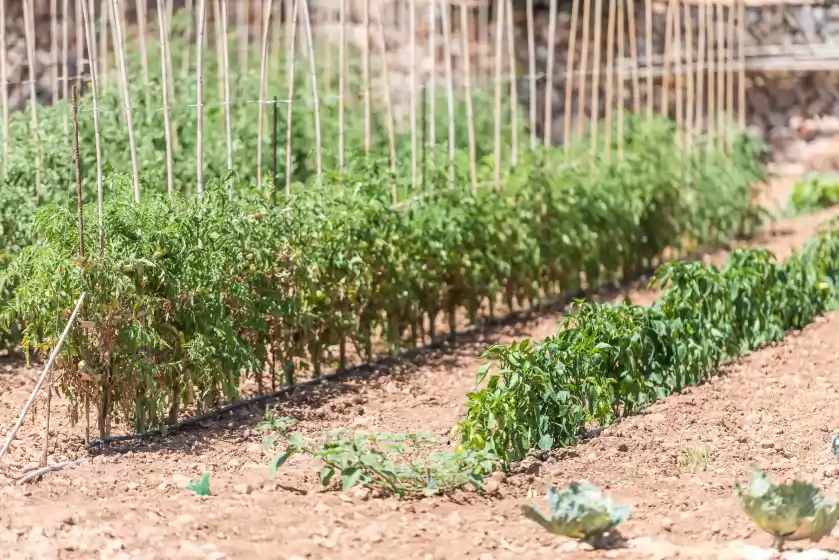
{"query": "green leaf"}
{"type": "Point", "coordinates": [202, 487]}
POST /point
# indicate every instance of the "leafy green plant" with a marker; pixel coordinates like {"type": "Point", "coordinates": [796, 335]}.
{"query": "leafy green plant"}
{"type": "Point", "coordinates": [202, 487]}
{"type": "Point", "coordinates": [579, 511]}
{"type": "Point", "coordinates": [788, 512]}
{"type": "Point", "coordinates": [393, 464]}
{"type": "Point", "coordinates": [607, 361]}
{"type": "Point", "coordinates": [814, 193]}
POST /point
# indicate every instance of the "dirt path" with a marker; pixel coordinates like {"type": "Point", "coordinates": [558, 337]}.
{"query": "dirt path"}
{"type": "Point", "coordinates": [775, 409]}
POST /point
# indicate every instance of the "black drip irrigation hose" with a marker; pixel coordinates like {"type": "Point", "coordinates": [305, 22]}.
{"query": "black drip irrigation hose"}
{"type": "Point", "coordinates": [510, 318]}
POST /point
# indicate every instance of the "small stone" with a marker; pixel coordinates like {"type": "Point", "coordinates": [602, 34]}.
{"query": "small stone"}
{"type": "Point", "coordinates": [667, 524]}
{"type": "Point", "coordinates": [766, 444]}
{"type": "Point", "coordinates": [832, 471]}
{"type": "Point", "coordinates": [623, 448]}
{"type": "Point", "coordinates": [163, 486]}
{"type": "Point", "coordinates": [243, 488]}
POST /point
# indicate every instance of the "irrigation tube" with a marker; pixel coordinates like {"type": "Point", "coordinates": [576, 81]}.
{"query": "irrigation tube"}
{"type": "Point", "coordinates": [13, 432]}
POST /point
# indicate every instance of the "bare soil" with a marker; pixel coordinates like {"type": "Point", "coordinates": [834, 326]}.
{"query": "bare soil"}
{"type": "Point", "coordinates": [775, 409]}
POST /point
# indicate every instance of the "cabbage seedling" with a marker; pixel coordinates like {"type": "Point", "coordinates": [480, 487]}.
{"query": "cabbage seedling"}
{"type": "Point", "coordinates": [789, 512]}
{"type": "Point", "coordinates": [580, 511]}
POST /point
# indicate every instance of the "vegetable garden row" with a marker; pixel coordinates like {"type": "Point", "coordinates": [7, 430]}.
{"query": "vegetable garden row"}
{"type": "Point", "coordinates": [188, 295]}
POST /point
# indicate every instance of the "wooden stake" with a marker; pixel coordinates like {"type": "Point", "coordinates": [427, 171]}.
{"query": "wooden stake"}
{"type": "Point", "coordinates": [65, 56]}
{"type": "Point", "coordinates": [412, 42]}
{"type": "Point", "coordinates": [365, 71]}
{"type": "Point", "coordinates": [712, 106]}
{"type": "Point", "coordinates": [464, 34]}
{"type": "Point", "coordinates": [129, 117]}
{"type": "Point", "coordinates": [621, 96]}
{"type": "Point", "coordinates": [499, 42]}
{"type": "Point", "coordinates": [531, 70]}
{"type": "Point", "coordinates": [90, 37]}
{"type": "Point", "coordinates": [569, 75]}
{"type": "Point", "coordinates": [53, 12]}
{"type": "Point", "coordinates": [29, 32]}
{"type": "Point", "coordinates": [445, 12]}
{"type": "Point", "coordinates": [677, 39]}
{"type": "Point", "coordinates": [342, 81]}
{"type": "Point", "coordinates": [689, 72]}
{"type": "Point", "coordinates": [741, 70]}
{"type": "Point", "coordinates": [4, 91]}
{"type": "Point", "coordinates": [292, 44]}
{"type": "Point", "coordinates": [581, 91]}
{"type": "Point", "coordinates": [225, 66]}
{"type": "Point", "coordinates": [103, 45]}
{"type": "Point", "coordinates": [700, 69]}
{"type": "Point", "coordinates": [730, 61]}
{"type": "Point", "coordinates": [263, 91]}
{"type": "Point", "coordinates": [648, 44]}
{"type": "Point", "coordinates": [514, 100]}
{"type": "Point", "coordinates": [633, 54]}
{"type": "Point", "coordinates": [144, 57]}
{"type": "Point", "coordinates": [431, 92]}
{"type": "Point", "coordinates": [610, 79]}
{"type": "Point", "coordinates": [47, 368]}
{"type": "Point", "coordinates": [720, 57]}
{"type": "Point", "coordinates": [547, 136]}
{"type": "Point", "coordinates": [307, 25]}
{"type": "Point", "coordinates": [595, 85]}
{"type": "Point", "coordinates": [664, 110]}
{"type": "Point", "coordinates": [199, 89]}
{"type": "Point", "coordinates": [80, 41]}
{"type": "Point", "coordinates": [167, 119]}
{"type": "Point", "coordinates": [391, 133]}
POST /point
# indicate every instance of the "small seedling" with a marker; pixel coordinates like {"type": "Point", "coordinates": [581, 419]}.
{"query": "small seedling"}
{"type": "Point", "coordinates": [202, 487]}
{"type": "Point", "coordinates": [692, 460]}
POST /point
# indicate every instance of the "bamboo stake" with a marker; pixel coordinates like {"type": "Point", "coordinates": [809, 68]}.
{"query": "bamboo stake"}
{"type": "Point", "coordinates": [29, 32]}
{"type": "Point", "coordinates": [729, 82]}
{"type": "Point", "coordinates": [144, 57]}
{"type": "Point", "coordinates": [275, 59]}
{"type": "Point", "coordinates": [581, 91]}
{"type": "Point", "coordinates": [199, 89]}
{"type": "Point", "coordinates": [595, 85]}
{"type": "Point", "coordinates": [677, 39]}
{"type": "Point", "coordinates": [4, 90]}
{"type": "Point", "coordinates": [54, 51]}
{"type": "Point", "coordinates": [216, 5]}
{"type": "Point", "coordinates": [365, 71]}
{"type": "Point", "coordinates": [242, 34]}
{"type": "Point", "coordinates": [391, 133]}
{"type": "Point", "coordinates": [633, 48]}
{"type": "Point", "coordinates": [741, 67]}
{"type": "Point", "coordinates": [720, 57]}
{"type": "Point", "coordinates": [610, 79]}
{"type": "Point", "coordinates": [531, 70]}
{"type": "Point", "coordinates": [412, 30]}
{"type": "Point", "coordinates": [431, 93]}
{"type": "Point", "coordinates": [621, 96]}
{"type": "Point", "coordinates": [225, 65]}
{"type": "Point", "coordinates": [167, 120]}
{"type": "Point", "coordinates": [700, 68]}
{"type": "Point", "coordinates": [263, 87]}
{"type": "Point", "coordinates": [90, 37]}
{"type": "Point", "coordinates": [549, 79]}
{"type": "Point", "coordinates": [185, 62]}
{"type": "Point", "coordinates": [308, 27]}
{"type": "Point", "coordinates": [712, 106]}
{"type": "Point", "coordinates": [569, 75]}
{"type": "Point", "coordinates": [689, 70]}
{"type": "Point", "coordinates": [103, 45]}
{"type": "Point", "coordinates": [47, 368]}
{"type": "Point", "coordinates": [342, 81]}
{"type": "Point", "coordinates": [445, 12]}
{"type": "Point", "coordinates": [483, 38]}
{"type": "Point", "coordinates": [499, 41]}
{"type": "Point", "coordinates": [80, 41]}
{"type": "Point", "coordinates": [664, 110]}
{"type": "Point", "coordinates": [464, 34]}
{"type": "Point", "coordinates": [514, 101]}
{"type": "Point", "coordinates": [292, 43]}
{"type": "Point", "coordinates": [65, 56]}
{"type": "Point", "coordinates": [648, 44]}
{"type": "Point", "coordinates": [129, 117]}
{"type": "Point", "coordinates": [169, 14]}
